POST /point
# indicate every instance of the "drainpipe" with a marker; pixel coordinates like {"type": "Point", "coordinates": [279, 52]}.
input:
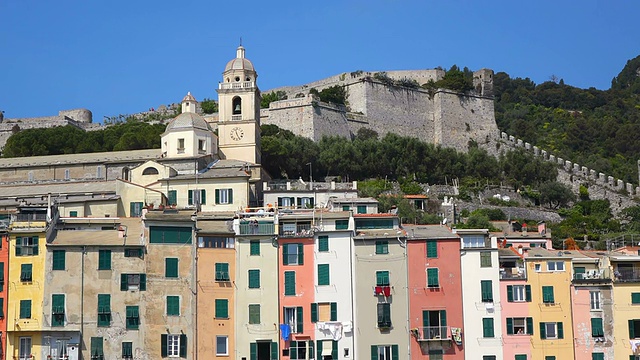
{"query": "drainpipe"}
{"type": "Point", "coordinates": [195, 283]}
{"type": "Point", "coordinates": [406, 267]}
{"type": "Point", "coordinates": [84, 251]}
{"type": "Point", "coordinates": [353, 303]}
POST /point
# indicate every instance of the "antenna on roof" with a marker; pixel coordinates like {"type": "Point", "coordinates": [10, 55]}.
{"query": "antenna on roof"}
{"type": "Point", "coordinates": [240, 40]}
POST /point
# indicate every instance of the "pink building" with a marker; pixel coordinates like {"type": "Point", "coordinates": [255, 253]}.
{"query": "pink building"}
{"type": "Point", "coordinates": [435, 292]}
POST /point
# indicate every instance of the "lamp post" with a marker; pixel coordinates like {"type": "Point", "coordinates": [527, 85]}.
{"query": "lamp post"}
{"type": "Point", "coordinates": [310, 176]}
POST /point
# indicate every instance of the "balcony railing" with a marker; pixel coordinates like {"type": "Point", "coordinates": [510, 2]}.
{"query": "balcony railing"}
{"type": "Point", "coordinates": [435, 333]}
{"type": "Point", "coordinates": [512, 274]}
{"type": "Point", "coordinates": [299, 230]}
{"type": "Point", "coordinates": [257, 229]}
{"type": "Point", "coordinates": [592, 276]}
{"type": "Point", "coordinates": [236, 85]}
{"type": "Point", "coordinates": [627, 275]}
{"type": "Point", "coordinates": [30, 217]}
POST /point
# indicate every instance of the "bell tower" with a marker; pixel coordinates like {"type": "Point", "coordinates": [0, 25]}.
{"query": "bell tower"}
{"type": "Point", "coordinates": [239, 111]}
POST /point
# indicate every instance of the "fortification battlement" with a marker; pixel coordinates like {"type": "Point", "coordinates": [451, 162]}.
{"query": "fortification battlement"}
{"type": "Point", "coordinates": [77, 115]}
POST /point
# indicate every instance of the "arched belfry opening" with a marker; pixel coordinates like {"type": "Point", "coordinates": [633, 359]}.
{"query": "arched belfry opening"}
{"type": "Point", "coordinates": [237, 105]}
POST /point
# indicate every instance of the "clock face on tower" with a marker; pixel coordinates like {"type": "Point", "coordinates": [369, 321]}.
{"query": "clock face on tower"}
{"type": "Point", "coordinates": [236, 134]}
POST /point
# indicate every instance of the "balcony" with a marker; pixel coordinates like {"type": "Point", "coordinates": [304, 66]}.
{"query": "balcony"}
{"type": "Point", "coordinates": [514, 273]}
{"type": "Point", "coordinates": [236, 85]}
{"type": "Point", "coordinates": [592, 277]}
{"type": "Point", "coordinates": [296, 230]}
{"type": "Point", "coordinates": [627, 275]}
{"type": "Point", "coordinates": [434, 333]}
{"type": "Point", "coordinates": [257, 229]}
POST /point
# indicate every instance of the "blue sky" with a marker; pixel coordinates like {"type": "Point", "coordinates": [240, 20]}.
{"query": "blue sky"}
{"type": "Point", "coordinates": [120, 57]}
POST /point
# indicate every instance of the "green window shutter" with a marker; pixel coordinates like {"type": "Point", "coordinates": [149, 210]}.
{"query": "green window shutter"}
{"type": "Point", "coordinates": [254, 247]}
{"type": "Point", "coordinates": [183, 345]}
{"type": "Point", "coordinates": [521, 357]}
{"type": "Point", "coordinates": [285, 254]}
{"type": "Point", "coordinates": [254, 314]}
{"type": "Point", "coordinates": [432, 277]}
{"type": "Point", "coordinates": [529, 326]}
{"type": "Point", "coordinates": [543, 331]}
{"type": "Point", "coordinates": [510, 293]}
{"type": "Point", "coordinates": [425, 318]}
{"type": "Point", "coordinates": [314, 312]}
{"type": "Point", "coordinates": [96, 347]}
{"type": "Point", "coordinates": [334, 311]}
{"type": "Point", "coordinates": [173, 197]}
{"type": "Point", "coordinates": [432, 249]}
{"type": "Point", "coordinates": [2, 307]}
{"type": "Point", "coordinates": [487, 328]}
{"type": "Point", "coordinates": [173, 305]}
{"type": "Point", "coordinates": [104, 260]}
{"type": "Point", "coordinates": [25, 309]}
{"type": "Point", "coordinates": [230, 192]}
{"type": "Point", "coordinates": [222, 308]}
{"type": "Point", "coordinates": [632, 331]}
{"type": "Point", "coordinates": [163, 345]}
{"type": "Point", "coordinates": [443, 317]}
{"type": "Point", "coordinates": [274, 350]}
{"type": "Point", "coordinates": [35, 245]}
{"type": "Point", "coordinates": [57, 309]}
{"type": "Point", "coordinates": [394, 352]}
{"type": "Point", "coordinates": [73, 214]}
{"type": "Point", "coordinates": [342, 224]}
{"type": "Point", "coordinates": [487, 290]}
{"type": "Point", "coordinates": [289, 282]}
{"type": "Point", "coordinates": [560, 330]}
{"type": "Point", "coordinates": [26, 273]}
{"type": "Point", "coordinates": [374, 352]}
{"type": "Point", "coordinates": [171, 267]}
{"type": "Point", "coordinates": [58, 260]}
{"type": "Point", "coordinates": [190, 192]}
{"type": "Point", "coordinates": [254, 279]}
{"type": "Point", "coordinates": [299, 203]}
{"type": "Point", "coordinates": [132, 317]}
{"type": "Point", "coordinates": [299, 320]}
{"type": "Point", "coordinates": [311, 349]}
{"type": "Point", "coordinates": [323, 274]}
{"type": "Point", "coordinates": [124, 286]}
{"type": "Point", "coordinates": [127, 350]}
{"type": "Point", "coordinates": [18, 246]}
{"type": "Point", "coordinates": [217, 195]}
{"type": "Point", "coordinates": [293, 354]}
{"type": "Point", "coordinates": [509, 326]}
{"type": "Point", "coordinates": [635, 298]}
{"type": "Point", "coordinates": [300, 254]}
{"type": "Point", "coordinates": [323, 243]}
{"type": "Point", "coordinates": [143, 282]}
{"type": "Point", "coordinates": [334, 350]}
{"type": "Point", "coordinates": [319, 350]}
{"type": "Point", "coordinates": [547, 294]}
{"type": "Point", "coordinates": [382, 278]}
{"type": "Point", "coordinates": [104, 309]}
{"type": "Point", "coordinates": [527, 290]}
{"type": "Point", "coordinates": [203, 197]}
{"type": "Point", "coordinates": [598, 356]}
{"type": "Point", "coordinates": [253, 351]}
{"type": "Point", "coordinates": [362, 209]}
{"type": "Point", "coordinates": [1, 275]}
{"type": "Point", "coordinates": [596, 327]}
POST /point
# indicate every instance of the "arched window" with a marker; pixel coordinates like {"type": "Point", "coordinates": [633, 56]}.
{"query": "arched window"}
{"type": "Point", "coordinates": [237, 106]}
{"type": "Point", "coordinates": [125, 173]}
{"type": "Point", "coordinates": [150, 171]}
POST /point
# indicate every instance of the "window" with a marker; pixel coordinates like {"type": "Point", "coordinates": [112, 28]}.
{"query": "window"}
{"type": "Point", "coordinates": [104, 259]}
{"type": "Point", "coordinates": [127, 350]}
{"type": "Point", "coordinates": [488, 357]}
{"type": "Point", "coordinates": [104, 309]}
{"type": "Point", "coordinates": [432, 249]}
{"type": "Point", "coordinates": [150, 171]}
{"type": "Point", "coordinates": [293, 316]}
{"type": "Point", "coordinates": [254, 314]}
{"type": "Point", "coordinates": [436, 354]}
{"type": "Point", "coordinates": [202, 145]}
{"type": "Point", "coordinates": [486, 287]}
{"type": "Point", "coordinates": [485, 259]}
{"type": "Point", "coordinates": [551, 330]}
{"type": "Point", "coordinates": [362, 209]}
{"type": "Point", "coordinates": [434, 324]}
{"type": "Point", "coordinates": [342, 224]}
{"type": "Point", "coordinates": [521, 357]}
{"type": "Point", "coordinates": [224, 196]}
{"type": "Point", "coordinates": [26, 272]}
{"type": "Point", "coordinates": [57, 310]}
{"type": "Point", "coordinates": [180, 146]}
{"type": "Point", "coordinates": [96, 348]}
{"type": "Point", "coordinates": [547, 295]}
{"type": "Point", "coordinates": [133, 253]}
{"type": "Point", "coordinates": [67, 174]}
{"type": "Point", "coordinates": [197, 197]}
{"type": "Point", "coordinates": [173, 345]}
{"type": "Point", "coordinates": [324, 312]}
{"type": "Point", "coordinates": [292, 254]}
{"type": "Point", "coordinates": [384, 352]}
{"type": "Point", "coordinates": [382, 278]}
{"type": "Point", "coordinates": [289, 282]}
{"type": "Point", "coordinates": [135, 209]}
{"type": "Point", "coordinates": [216, 242]}
{"type": "Point", "coordinates": [597, 328]}
{"type": "Point", "coordinates": [26, 246]}
{"type": "Point", "coordinates": [634, 329]}
{"type": "Point", "coordinates": [133, 282]}
{"type": "Point", "coordinates": [222, 272]}
{"type": "Point", "coordinates": [384, 315]}
{"type": "Point", "coordinates": [382, 247]}
{"type": "Point", "coordinates": [172, 197]}
{"type": "Point", "coordinates": [305, 202]}
{"type": "Point", "coordinates": [473, 241]}
{"type": "Point", "coordinates": [285, 202]}
{"type": "Point", "coordinates": [1, 274]}
{"type": "Point", "coordinates": [323, 274]}
{"type": "Point", "coordinates": [171, 267]}
{"type": "Point", "coordinates": [222, 309]}
{"type": "Point", "coordinates": [487, 328]}
{"type": "Point", "coordinates": [635, 298]}
{"type": "Point", "coordinates": [25, 309]}
{"type": "Point", "coordinates": [550, 357]}
{"type": "Point", "coordinates": [323, 243]}
{"type": "Point", "coordinates": [433, 278]}
{"type": "Point", "coordinates": [254, 247]}
{"type": "Point", "coordinates": [518, 293]}
{"type": "Point", "coordinates": [600, 356]}
{"type": "Point", "coordinates": [520, 326]}
{"type": "Point", "coordinates": [173, 305]}
{"type": "Point", "coordinates": [298, 350]}
{"type": "Point", "coordinates": [58, 260]}
{"type": "Point", "coordinates": [537, 267]}
{"type": "Point", "coordinates": [595, 300]}
{"type": "Point", "coordinates": [254, 279]}
{"type": "Point", "coordinates": [555, 265]}
{"type": "Point", "coordinates": [73, 214]}
{"type": "Point", "coordinates": [346, 208]}
{"type": "Point", "coordinates": [221, 345]}
{"type": "Point", "coordinates": [169, 235]}
{"type": "Point", "coordinates": [133, 317]}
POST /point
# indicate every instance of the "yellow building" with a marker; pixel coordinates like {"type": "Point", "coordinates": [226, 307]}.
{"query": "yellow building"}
{"type": "Point", "coordinates": [626, 313]}
{"type": "Point", "coordinates": [549, 274]}
{"type": "Point", "coordinates": [26, 281]}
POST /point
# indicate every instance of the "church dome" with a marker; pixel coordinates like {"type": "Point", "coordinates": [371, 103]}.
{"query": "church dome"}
{"type": "Point", "coordinates": [188, 120]}
{"type": "Point", "coordinates": [240, 62]}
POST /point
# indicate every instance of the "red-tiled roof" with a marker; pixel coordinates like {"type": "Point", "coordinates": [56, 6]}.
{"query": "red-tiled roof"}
{"type": "Point", "coordinates": [375, 215]}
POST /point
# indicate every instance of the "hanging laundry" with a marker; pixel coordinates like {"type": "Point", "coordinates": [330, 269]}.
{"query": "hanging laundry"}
{"type": "Point", "coordinates": [285, 331]}
{"type": "Point", "coordinates": [456, 334]}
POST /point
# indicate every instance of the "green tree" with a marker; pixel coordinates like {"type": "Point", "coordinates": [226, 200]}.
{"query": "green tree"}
{"type": "Point", "coordinates": [209, 106]}
{"type": "Point", "coordinates": [271, 97]}
{"type": "Point", "coordinates": [555, 194]}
